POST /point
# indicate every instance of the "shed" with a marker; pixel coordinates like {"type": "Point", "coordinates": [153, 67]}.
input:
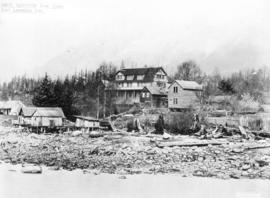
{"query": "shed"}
{"type": "Point", "coordinates": [87, 122]}
{"type": "Point", "coordinates": [184, 94]}
{"type": "Point", "coordinates": [11, 107]}
{"type": "Point", "coordinates": [154, 96]}
{"type": "Point", "coordinates": [41, 116]}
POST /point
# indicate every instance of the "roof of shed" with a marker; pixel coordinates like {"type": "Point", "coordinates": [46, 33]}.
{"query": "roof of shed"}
{"type": "Point", "coordinates": [13, 105]}
{"type": "Point", "coordinates": [28, 111]}
{"type": "Point", "coordinates": [10, 104]}
{"type": "Point", "coordinates": [189, 85]}
{"type": "Point", "coordinates": [89, 118]}
{"type": "Point", "coordinates": [155, 90]}
{"type": "Point", "coordinates": [43, 112]}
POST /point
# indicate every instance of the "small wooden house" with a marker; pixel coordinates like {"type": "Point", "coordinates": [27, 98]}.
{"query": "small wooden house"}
{"type": "Point", "coordinates": [10, 107]}
{"type": "Point", "coordinates": [154, 96]}
{"type": "Point", "coordinates": [87, 122]}
{"type": "Point", "coordinates": [184, 94]}
{"type": "Point", "coordinates": [49, 117]}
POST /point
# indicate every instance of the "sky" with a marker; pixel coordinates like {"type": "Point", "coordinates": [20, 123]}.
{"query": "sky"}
{"type": "Point", "coordinates": [64, 36]}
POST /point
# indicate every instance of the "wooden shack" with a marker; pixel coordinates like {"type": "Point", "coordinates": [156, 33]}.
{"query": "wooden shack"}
{"type": "Point", "coordinates": [154, 96]}
{"type": "Point", "coordinates": [184, 94]}
{"type": "Point", "coordinates": [46, 117]}
{"type": "Point", "coordinates": [10, 107]}
{"type": "Point", "coordinates": [87, 122]}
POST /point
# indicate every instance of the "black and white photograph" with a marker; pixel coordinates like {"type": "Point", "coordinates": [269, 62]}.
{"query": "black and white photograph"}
{"type": "Point", "coordinates": [134, 98]}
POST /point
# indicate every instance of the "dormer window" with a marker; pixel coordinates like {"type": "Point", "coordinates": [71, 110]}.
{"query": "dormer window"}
{"type": "Point", "coordinates": [140, 77]}
{"type": "Point", "coordinates": [119, 76]}
{"type": "Point", "coordinates": [130, 77]}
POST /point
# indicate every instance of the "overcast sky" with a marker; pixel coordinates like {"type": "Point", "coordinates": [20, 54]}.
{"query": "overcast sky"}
{"type": "Point", "coordinates": [228, 35]}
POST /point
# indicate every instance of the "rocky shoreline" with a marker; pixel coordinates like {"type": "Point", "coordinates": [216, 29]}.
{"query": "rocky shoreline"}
{"type": "Point", "coordinates": [133, 153]}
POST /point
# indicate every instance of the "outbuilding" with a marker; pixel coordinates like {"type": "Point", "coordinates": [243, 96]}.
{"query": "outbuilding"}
{"type": "Point", "coordinates": [87, 122]}
{"type": "Point", "coordinates": [48, 117]}
{"type": "Point", "coordinates": [184, 94]}
{"type": "Point", "coordinates": [154, 96]}
{"type": "Point", "coordinates": [11, 107]}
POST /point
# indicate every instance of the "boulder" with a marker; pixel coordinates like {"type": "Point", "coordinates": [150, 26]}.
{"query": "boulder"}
{"type": "Point", "coordinates": [32, 169]}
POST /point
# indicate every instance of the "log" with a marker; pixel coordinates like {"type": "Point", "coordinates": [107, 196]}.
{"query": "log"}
{"type": "Point", "coordinates": [243, 132]}
{"type": "Point", "coordinates": [186, 144]}
{"type": "Point", "coordinates": [258, 147]}
{"type": "Point", "coordinates": [261, 133]}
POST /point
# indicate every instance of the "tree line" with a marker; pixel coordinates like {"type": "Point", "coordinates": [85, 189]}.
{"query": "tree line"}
{"type": "Point", "coordinates": [84, 92]}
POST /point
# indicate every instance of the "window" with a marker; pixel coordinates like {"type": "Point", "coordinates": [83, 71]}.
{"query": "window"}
{"type": "Point", "coordinates": [130, 77]}
{"type": "Point", "coordinates": [121, 84]}
{"type": "Point", "coordinates": [119, 77]}
{"type": "Point", "coordinates": [129, 84]}
{"type": "Point", "coordinates": [143, 95]}
{"type": "Point", "coordinates": [175, 89]}
{"type": "Point", "coordinates": [140, 77]}
{"type": "Point", "coordinates": [147, 95]}
{"type": "Point", "coordinates": [159, 76]}
{"type": "Point", "coordinates": [175, 101]}
{"type": "Point", "coordinates": [161, 84]}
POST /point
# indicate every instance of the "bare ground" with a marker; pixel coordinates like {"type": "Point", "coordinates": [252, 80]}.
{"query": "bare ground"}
{"type": "Point", "coordinates": [131, 153]}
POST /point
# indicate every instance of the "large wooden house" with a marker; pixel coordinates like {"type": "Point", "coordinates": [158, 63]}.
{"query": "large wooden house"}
{"type": "Point", "coordinates": [48, 117]}
{"type": "Point", "coordinates": [130, 82]}
{"type": "Point", "coordinates": [184, 94]}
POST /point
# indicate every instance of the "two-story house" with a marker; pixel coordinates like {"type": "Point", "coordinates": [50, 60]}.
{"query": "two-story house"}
{"type": "Point", "coordinates": [184, 94]}
{"type": "Point", "coordinates": [130, 82]}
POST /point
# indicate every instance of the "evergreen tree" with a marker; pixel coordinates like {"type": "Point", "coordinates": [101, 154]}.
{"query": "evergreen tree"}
{"type": "Point", "coordinates": [43, 96]}
{"type": "Point", "coordinates": [226, 86]}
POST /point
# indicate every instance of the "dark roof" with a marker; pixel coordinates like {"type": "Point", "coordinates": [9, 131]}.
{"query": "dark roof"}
{"type": "Point", "coordinates": [148, 72]}
{"type": "Point", "coordinates": [89, 118]}
{"type": "Point", "coordinates": [42, 112]}
{"type": "Point", "coordinates": [155, 90]}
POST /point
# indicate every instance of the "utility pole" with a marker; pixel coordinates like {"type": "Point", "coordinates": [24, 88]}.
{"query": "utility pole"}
{"type": "Point", "coordinates": [98, 81]}
{"type": "Point", "coordinates": [104, 103]}
{"type": "Point", "coordinates": [97, 101]}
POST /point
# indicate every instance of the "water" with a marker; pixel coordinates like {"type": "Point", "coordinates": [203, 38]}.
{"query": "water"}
{"type": "Point", "coordinates": [55, 184]}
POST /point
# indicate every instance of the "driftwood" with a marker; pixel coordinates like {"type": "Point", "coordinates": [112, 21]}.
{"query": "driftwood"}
{"type": "Point", "coordinates": [261, 133]}
{"type": "Point", "coordinates": [258, 147]}
{"type": "Point", "coordinates": [243, 131]}
{"type": "Point", "coordinates": [186, 144]}
{"type": "Point", "coordinates": [216, 129]}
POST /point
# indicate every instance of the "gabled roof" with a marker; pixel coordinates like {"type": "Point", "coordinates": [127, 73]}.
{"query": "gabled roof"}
{"type": "Point", "coordinates": [155, 90]}
{"type": "Point", "coordinates": [10, 104]}
{"type": "Point", "coordinates": [13, 105]}
{"type": "Point", "coordinates": [27, 111]}
{"type": "Point", "coordinates": [87, 118]}
{"type": "Point", "coordinates": [42, 112]}
{"type": "Point", "coordinates": [148, 72]}
{"type": "Point", "coordinates": [49, 112]}
{"type": "Point", "coordinates": [189, 85]}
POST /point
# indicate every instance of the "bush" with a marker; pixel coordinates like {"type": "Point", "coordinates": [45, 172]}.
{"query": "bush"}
{"type": "Point", "coordinates": [159, 126]}
{"type": "Point", "coordinates": [179, 122]}
{"type": "Point", "coordinates": [247, 103]}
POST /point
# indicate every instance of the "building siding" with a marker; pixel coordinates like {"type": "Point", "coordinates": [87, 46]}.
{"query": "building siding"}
{"type": "Point", "coordinates": [185, 98]}
{"type": "Point", "coordinates": [47, 121]}
{"type": "Point", "coordinates": [86, 123]}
